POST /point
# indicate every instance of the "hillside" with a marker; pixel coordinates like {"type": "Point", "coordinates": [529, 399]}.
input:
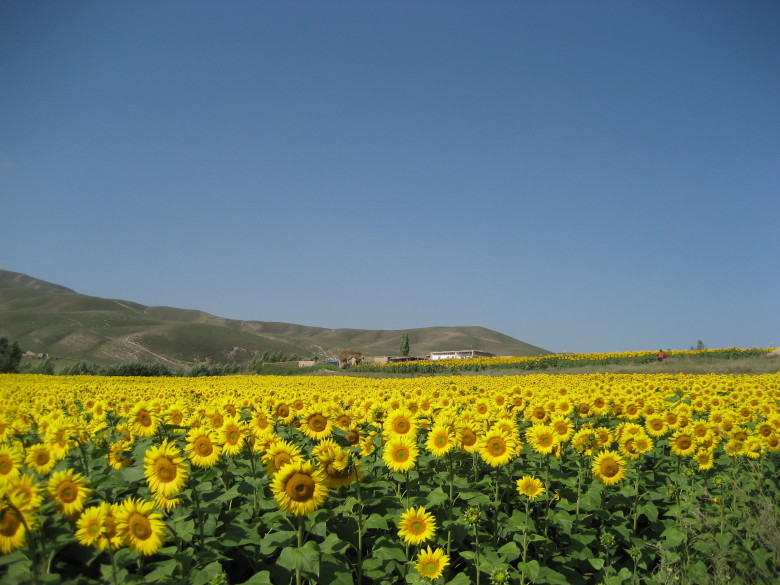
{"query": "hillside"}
{"type": "Point", "coordinates": [52, 319]}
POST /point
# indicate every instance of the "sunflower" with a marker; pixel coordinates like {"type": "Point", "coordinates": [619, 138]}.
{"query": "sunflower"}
{"type": "Point", "coordinates": [400, 422]}
{"type": "Point", "coordinates": [231, 436]}
{"type": "Point", "coordinates": [142, 529]}
{"type": "Point", "coordinates": [58, 437]}
{"type": "Point", "coordinates": [469, 438]}
{"type": "Point", "coordinates": [542, 438]}
{"type": "Point", "coordinates": [563, 427]}
{"type": "Point", "coordinates": [13, 534]}
{"type": "Point", "coordinates": [283, 413]}
{"type": "Point", "coordinates": [202, 447]}
{"type": "Point", "coordinates": [431, 563]}
{"type": "Point", "coordinates": [40, 459]}
{"type": "Point", "coordinates": [584, 441]}
{"type": "Point", "coordinates": [536, 413]}
{"type": "Point", "coordinates": [299, 488]}
{"type": "Point", "coordinates": [24, 494]}
{"type": "Point", "coordinates": [165, 502]}
{"type": "Point", "coordinates": [682, 444]}
{"type": "Point", "coordinates": [441, 440]}
{"type": "Point", "coordinates": [604, 437]}
{"type": "Point", "coordinates": [367, 446]}
{"type": "Point", "coordinates": [400, 453]}
{"type": "Point", "coordinates": [109, 536]}
{"type": "Point", "coordinates": [316, 425]}
{"type": "Point", "coordinates": [340, 470]}
{"type": "Point", "coordinates": [326, 450]}
{"type": "Point", "coordinates": [704, 458]}
{"type": "Point", "coordinates": [90, 526]}
{"type": "Point", "coordinates": [417, 526]}
{"type": "Point", "coordinates": [529, 486]}
{"type": "Point", "coordinates": [609, 467]}
{"type": "Point", "coordinates": [11, 458]}
{"type": "Point", "coordinates": [142, 420]}
{"type": "Point", "coordinates": [119, 454]}
{"type": "Point", "coordinates": [176, 414]}
{"type": "Point", "coordinates": [353, 436]}
{"type": "Point", "coordinates": [279, 454]}
{"type": "Point", "coordinates": [260, 423]}
{"type": "Point", "coordinates": [69, 489]}
{"type": "Point", "coordinates": [165, 469]}
{"type": "Point", "coordinates": [497, 447]}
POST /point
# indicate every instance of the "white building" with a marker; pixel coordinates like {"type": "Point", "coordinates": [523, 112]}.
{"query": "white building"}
{"type": "Point", "coordinates": [459, 354]}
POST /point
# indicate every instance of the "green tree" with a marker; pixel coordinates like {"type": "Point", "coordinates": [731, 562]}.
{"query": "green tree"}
{"type": "Point", "coordinates": [405, 344]}
{"type": "Point", "coordinates": [10, 356]}
{"type": "Point", "coordinates": [700, 345]}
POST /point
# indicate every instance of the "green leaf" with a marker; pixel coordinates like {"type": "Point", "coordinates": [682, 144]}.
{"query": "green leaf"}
{"type": "Point", "coordinates": [387, 549]}
{"type": "Point", "coordinates": [649, 510]}
{"type": "Point", "coordinates": [306, 559]}
{"type": "Point", "coordinates": [13, 557]}
{"type": "Point", "coordinates": [596, 563]}
{"type": "Point", "coordinates": [333, 544]}
{"type": "Point", "coordinates": [563, 519]}
{"type": "Point", "coordinates": [183, 528]}
{"type": "Point", "coordinates": [207, 573]}
{"type": "Point", "coordinates": [554, 577]}
{"type": "Point", "coordinates": [459, 579]}
{"type": "Point", "coordinates": [724, 540]}
{"type": "Point", "coordinates": [334, 572]}
{"type": "Point", "coordinates": [261, 578]}
{"type": "Point", "coordinates": [375, 521]}
{"type": "Point", "coordinates": [673, 537]}
{"type": "Point", "coordinates": [436, 497]}
{"type": "Point", "coordinates": [531, 569]}
{"type": "Point", "coordinates": [623, 575]}
{"type": "Point", "coordinates": [697, 572]}
{"type": "Point", "coordinates": [510, 551]}
{"type": "Point", "coordinates": [232, 493]}
{"type": "Point", "coordinates": [275, 540]}
{"type": "Point", "coordinates": [236, 534]}
{"type": "Point", "coordinates": [161, 570]}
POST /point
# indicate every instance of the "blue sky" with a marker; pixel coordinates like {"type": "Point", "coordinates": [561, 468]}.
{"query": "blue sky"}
{"type": "Point", "coordinates": [583, 176]}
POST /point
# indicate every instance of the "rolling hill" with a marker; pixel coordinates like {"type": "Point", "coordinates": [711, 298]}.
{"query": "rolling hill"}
{"type": "Point", "coordinates": [51, 319]}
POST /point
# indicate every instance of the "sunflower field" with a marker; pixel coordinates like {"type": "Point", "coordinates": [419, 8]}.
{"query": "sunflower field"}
{"type": "Point", "coordinates": [559, 479]}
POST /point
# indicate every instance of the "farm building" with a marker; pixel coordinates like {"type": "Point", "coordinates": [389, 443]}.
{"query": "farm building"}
{"type": "Point", "coordinates": [460, 354]}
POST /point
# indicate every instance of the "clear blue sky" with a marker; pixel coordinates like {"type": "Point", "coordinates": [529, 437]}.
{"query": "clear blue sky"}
{"type": "Point", "coordinates": [583, 176]}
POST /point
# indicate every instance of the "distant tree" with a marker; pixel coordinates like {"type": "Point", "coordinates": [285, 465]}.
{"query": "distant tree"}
{"type": "Point", "coordinates": [10, 356]}
{"type": "Point", "coordinates": [405, 344]}
{"type": "Point", "coordinates": [700, 345]}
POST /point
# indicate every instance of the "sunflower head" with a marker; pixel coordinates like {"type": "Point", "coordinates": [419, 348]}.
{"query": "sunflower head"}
{"type": "Point", "coordinates": [431, 563]}
{"type": "Point", "coordinates": [299, 488]}
{"type": "Point", "coordinates": [416, 526]}
{"type": "Point", "coordinates": [530, 487]}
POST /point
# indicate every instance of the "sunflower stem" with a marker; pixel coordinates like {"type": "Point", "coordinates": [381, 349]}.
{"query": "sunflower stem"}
{"type": "Point", "coordinates": [114, 570]}
{"type": "Point", "coordinates": [636, 494]}
{"type": "Point", "coordinates": [476, 550]}
{"type": "Point", "coordinates": [359, 519]}
{"type": "Point", "coordinates": [525, 540]}
{"type": "Point", "coordinates": [579, 487]}
{"type": "Point", "coordinates": [300, 545]}
{"type": "Point", "coordinates": [450, 505]}
{"type": "Point", "coordinates": [199, 515]}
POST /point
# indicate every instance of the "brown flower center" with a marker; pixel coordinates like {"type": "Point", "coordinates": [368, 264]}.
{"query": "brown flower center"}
{"type": "Point", "coordinates": [300, 487]}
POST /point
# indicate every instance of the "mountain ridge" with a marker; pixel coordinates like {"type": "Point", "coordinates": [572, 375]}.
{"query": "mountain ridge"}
{"type": "Point", "coordinates": [53, 319]}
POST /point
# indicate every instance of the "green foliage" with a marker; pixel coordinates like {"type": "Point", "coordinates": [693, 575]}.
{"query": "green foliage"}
{"type": "Point", "coordinates": [404, 344]}
{"type": "Point", "coordinates": [45, 366]}
{"type": "Point", "coordinates": [10, 356]}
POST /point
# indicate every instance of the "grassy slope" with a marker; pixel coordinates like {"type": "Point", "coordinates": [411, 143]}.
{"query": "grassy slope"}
{"type": "Point", "coordinates": [48, 318]}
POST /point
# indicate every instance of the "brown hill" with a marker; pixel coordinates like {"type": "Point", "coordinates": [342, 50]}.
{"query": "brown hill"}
{"type": "Point", "coordinates": [53, 319]}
